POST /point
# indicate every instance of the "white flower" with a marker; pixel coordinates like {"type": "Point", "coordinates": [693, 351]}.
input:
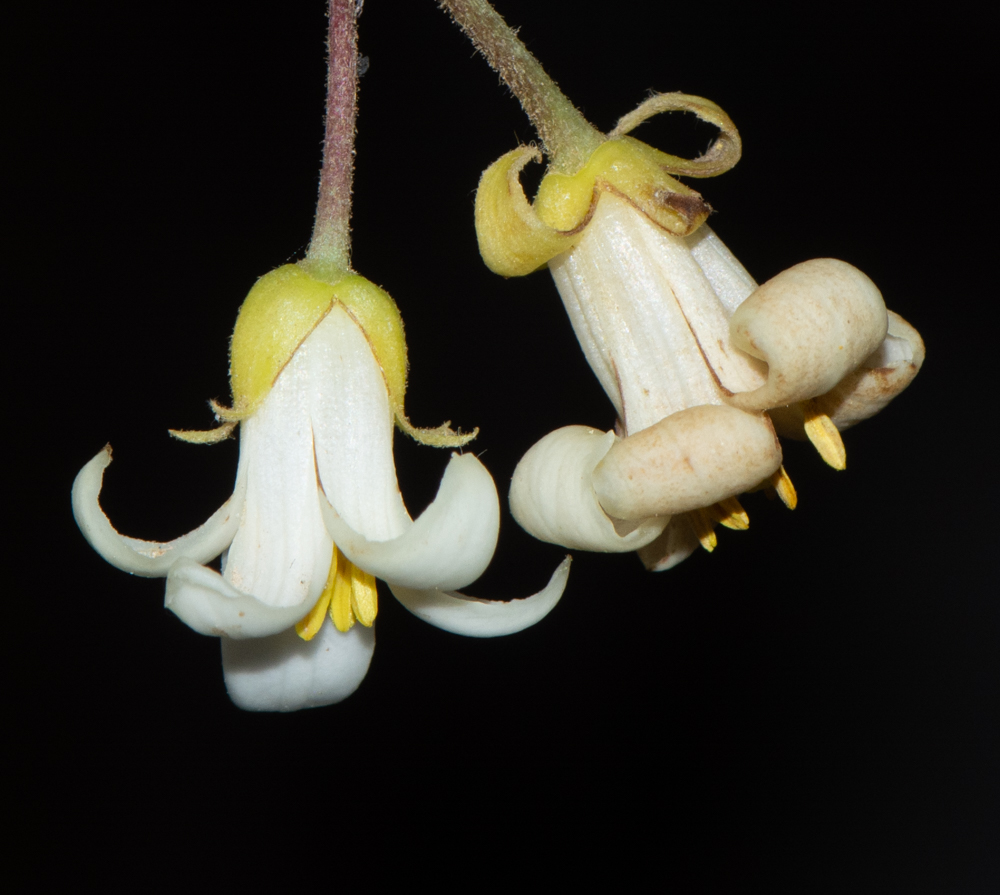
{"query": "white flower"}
{"type": "Point", "coordinates": [701, 364]}
{"type": "Point", "coordinates": [316, 470]}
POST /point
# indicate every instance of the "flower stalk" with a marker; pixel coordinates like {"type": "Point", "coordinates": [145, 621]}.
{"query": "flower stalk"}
{"type": "Point", "coordinates": [329, 250]}
{"type": "Point", "coordinates": [569, 139]}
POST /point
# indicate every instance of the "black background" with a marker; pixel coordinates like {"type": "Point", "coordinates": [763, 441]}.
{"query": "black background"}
{"type": "Point", "coordinates": [814, 707]}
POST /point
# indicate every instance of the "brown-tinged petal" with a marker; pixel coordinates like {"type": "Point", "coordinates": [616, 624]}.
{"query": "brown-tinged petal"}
{"type": "Point", "coordinates": [691, 459]}
{"type": "Point", "coordinates": [813, 324]}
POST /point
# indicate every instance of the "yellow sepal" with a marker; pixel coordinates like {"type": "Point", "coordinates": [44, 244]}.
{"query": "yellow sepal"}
{"type": "Point", "coordinates": [284, 307]}
{"type": "Point", "coordinates": [516, 237]}
{"type": "Point", "coordinates": [204, 436]}
{"type": "Point", "coordinates": [513, 240]}
{"type": "Point", "coordinates": [633, 170]}
{"type": "Point", "coordinates": [376, 313]}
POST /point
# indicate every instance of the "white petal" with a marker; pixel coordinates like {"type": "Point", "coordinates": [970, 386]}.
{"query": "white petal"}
{"type": "Point", "coordinates": [285, 673]}
{"type": "Point", "coordinates": [704, 313]}
{"type": "Point", "coordinates": [813, 324]}
{"type": "Point", "coordinates": [628, 322]}
{"type": "Point", "coordinates": [470, 617]}
{"type": "Point", "coordinates": [552, 494]}
{"type": "Point", "coordinates": [646, 317]}
{"type": "Point", "coordinates": [730, 280]}
{"type": "Point", "coordinates": [281, 552]}
{"type": "Point", "coordinates": [151, 559]}
{"type": "Point", "coordinates": [671, 548]}
{"type": "Point", "coordinates": [450, 545]}
{"type": "Point", "coordinates": [202, 599]}
{"type": "Point", "coordinates": [352, 423]}
{"type": "Point", "coordinates": [689, 460]}
{"type": "Point", "coordinates": [866, 391]}
{"type": "Point", "coordinates": [882, 376]}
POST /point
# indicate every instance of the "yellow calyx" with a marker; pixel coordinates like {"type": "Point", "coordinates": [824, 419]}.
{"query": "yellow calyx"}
{"type": "Point", "coordinates": [284, 307]}
{"type": "Point", "coordinates": [517, 237]}
{"type": "Point", "coordinates": [633, 170]}
{"type": "Point", "coordinates": [349, 595]}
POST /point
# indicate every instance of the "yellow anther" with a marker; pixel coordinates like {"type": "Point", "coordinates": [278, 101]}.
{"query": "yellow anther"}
{"type": "Point", "coordinates": [730, 513]}
{"type": "Point", "coordinates": [350, 595]}
{"type": "Point", "coordinates": [310, 625]}
{"type": "Point", "coordinates": [364, 597]}
{"type": "Point", "coordinates": [825, 437]}
{"type": "Point", "coordinates": [340, 604]}
{"type": "Point", "coordinates": [782, 484]}
{"type": "Point", "coordinates": [704, 529]}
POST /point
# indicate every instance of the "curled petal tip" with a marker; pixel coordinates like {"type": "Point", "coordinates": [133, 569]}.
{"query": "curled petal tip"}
{"type": "Point", "coordinates": [207, 603]}
{"type": "Point", "coordinates": [689, 460]}
{"type": "Point", "coordinates": [813, 324]}
{"type": "Point", "coordinates": [150, 559]}
{"type": "Point", "coordinates": [471, 617]}
{"type": "Point", "coordinates": [552, 494]}
{"type": "Point", "coordinates": [447, 547]}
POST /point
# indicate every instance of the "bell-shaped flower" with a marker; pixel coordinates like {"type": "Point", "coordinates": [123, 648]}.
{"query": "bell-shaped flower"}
{"type": "Point", "coordinates": [318, 372]}
{"type": "Point", "coordinates": [703, 366]}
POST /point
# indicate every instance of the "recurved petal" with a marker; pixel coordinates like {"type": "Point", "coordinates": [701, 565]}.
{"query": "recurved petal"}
{"type": "Point", "coordinates": [866, 391]}
{"type": "Point", "coordinates": [472, 617]}
{"type": "Point", "coordinates": [448, 546]}
{"type": "Point", "coordinates": [202, 599]}
{"type": "Point", "coordinates": [813, 324]}
{"type": "Point", "coordinates": [150, 559]}
{"type": "Point", "coordinates": [882, 376]}
{"type": "Point", "coordinates": [552, 495]}
{"type": "Point", "coordinates": [285, 673]}
{"type": "Point", "coordinates": [689, 460]}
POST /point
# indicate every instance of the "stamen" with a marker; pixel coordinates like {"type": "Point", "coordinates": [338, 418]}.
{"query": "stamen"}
{"type": "Point", "coordinates": [704, 528]}
{"type": "Point", "coordinates": [350, 595]}
{"type": "Point", "coordinates": [364, 596]}
{"type": "Point", "coordinates": [340, 605]}
{"type": "Point", "coordinates": [782, 484]}
{"type": "Point", "coordinates": [310, 625]}
{"type": "Point", "coordinates": [731, 514]}
{"type": "Point", "coordinates": [825, 437]}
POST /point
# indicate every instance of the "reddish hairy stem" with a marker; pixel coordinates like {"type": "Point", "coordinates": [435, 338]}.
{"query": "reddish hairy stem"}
{"type": "Point", "coordinates": [330, 246]}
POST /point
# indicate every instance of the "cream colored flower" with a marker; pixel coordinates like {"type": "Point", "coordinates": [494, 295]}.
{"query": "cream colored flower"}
{"type": "Point", "coordinates": [318, 372]}
{"type": "Point", "coordinates": [704, 368]}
